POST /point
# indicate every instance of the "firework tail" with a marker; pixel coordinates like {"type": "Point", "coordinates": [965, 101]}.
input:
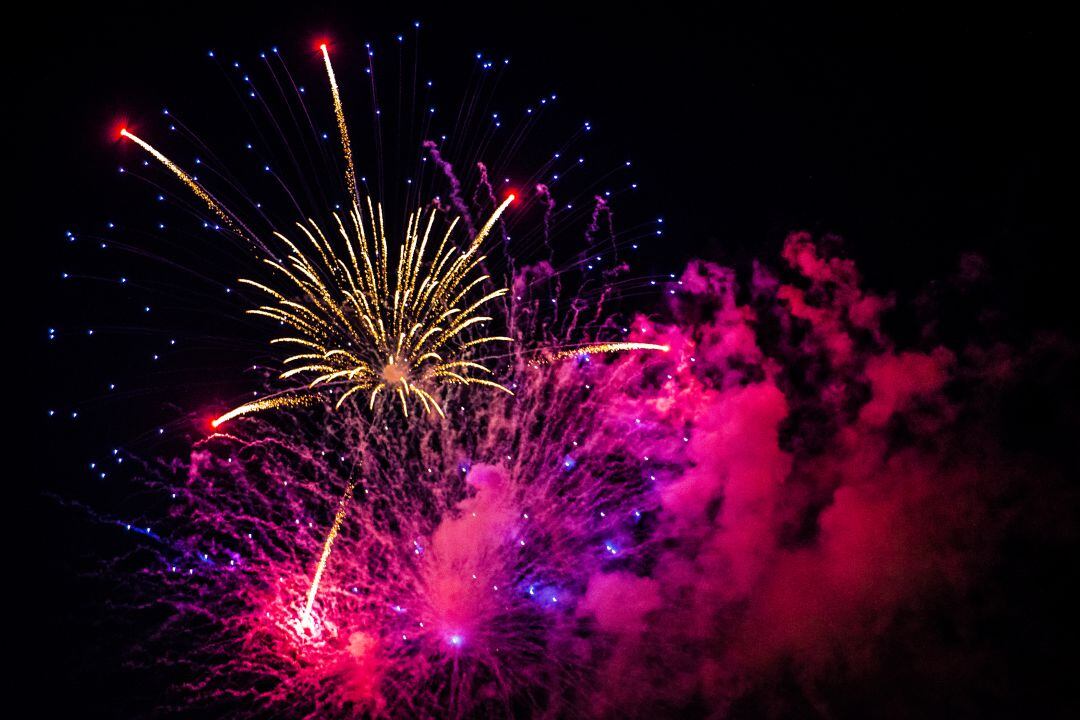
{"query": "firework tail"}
{"type": "Point", "coordinates": [313, 591]}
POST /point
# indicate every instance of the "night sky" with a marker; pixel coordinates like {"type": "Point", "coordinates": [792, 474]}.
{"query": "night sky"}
{"type": "Point", "coordinates": [920, 137]}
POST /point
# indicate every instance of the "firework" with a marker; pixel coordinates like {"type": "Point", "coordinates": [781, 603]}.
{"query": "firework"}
{"type": "Point", "coordinates": [365, 320]}
{"type": "Point", "coordinates": [339, 517]}
{"type": "Point", "coordinates": [199, 191]}
{"type": "Point", "coordinates": [737, 501]}
{"type": "Point", "coordinates": [265, 404]}
{"type": "Point", "coordinates": [547, 357]}
{"type": "Point", "coordinates": [343, 129]}
{"type": "Point", "coordinates": [364, 327]}
{"type": "Point", "coordinates": [450, 577]}
{"type": "Point", "coordinates": [405, 324]}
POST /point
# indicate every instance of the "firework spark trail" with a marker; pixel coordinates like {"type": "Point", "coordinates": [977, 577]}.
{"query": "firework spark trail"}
{"type": "Point", "coordinates": [211, 202]}
{"type": "Point", "coordinates": [343, 130]}
{"type": "Point", "coordinates": [339, 517]}
{"type": "Point", "coordinates": [548, 357]}
{"type": "Point", "coordinates": [281, 401]}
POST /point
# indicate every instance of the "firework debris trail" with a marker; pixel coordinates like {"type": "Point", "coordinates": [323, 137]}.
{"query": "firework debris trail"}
{"type": "Point", "coordinates": [456, 199]}
{"type": "Point", "coordinates": [601, 208]}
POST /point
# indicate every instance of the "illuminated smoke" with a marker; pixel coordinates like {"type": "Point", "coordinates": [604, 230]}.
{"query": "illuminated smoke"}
{"type": "Point", "coordinates": [627, 536]}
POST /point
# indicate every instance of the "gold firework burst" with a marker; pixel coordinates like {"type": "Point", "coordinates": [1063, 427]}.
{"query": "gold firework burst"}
{"type": "Point", "coordinates": [364, 327]}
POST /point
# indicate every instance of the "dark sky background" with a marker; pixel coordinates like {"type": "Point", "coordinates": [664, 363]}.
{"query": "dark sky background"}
{"type": "Point", "coordinates": [915, 134]}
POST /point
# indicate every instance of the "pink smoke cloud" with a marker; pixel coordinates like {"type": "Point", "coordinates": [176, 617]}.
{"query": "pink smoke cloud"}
{"type": "Point", "coordinates": [776, 559]}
